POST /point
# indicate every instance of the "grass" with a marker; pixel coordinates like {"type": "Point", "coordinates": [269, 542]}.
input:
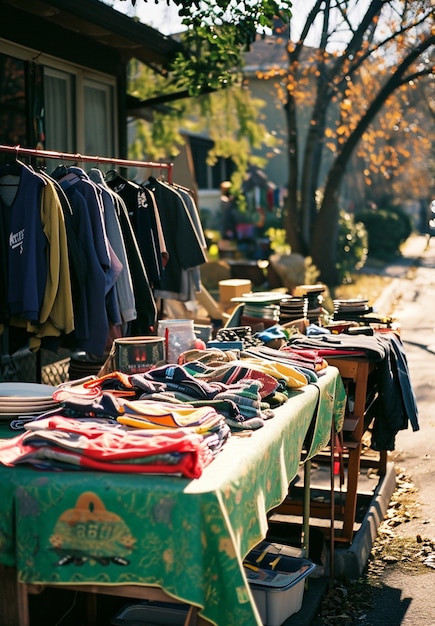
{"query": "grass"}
{"type": "Point", "coordinates": [371, 281]}
{"type": "Point", "coordinates": [367, 286]}
{"type": "Point", "coordinates": [364, 286]}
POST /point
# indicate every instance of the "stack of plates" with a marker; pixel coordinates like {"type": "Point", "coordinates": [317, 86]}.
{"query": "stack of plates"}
{"type": "Point", "coordinates": [261, 305]}
{"type": "Point", "coordinates": [20, 399]}
{"type": "Point", "coordinates": [314, 300]}
{"type": "Point", "coordinates": [352, 309]}
{"type": "Point", "coordinates": [262, 311]}
{"type": "Point", "coordinates": [82, 365]}
{"type": "Point", "coordinates": [292, 308]}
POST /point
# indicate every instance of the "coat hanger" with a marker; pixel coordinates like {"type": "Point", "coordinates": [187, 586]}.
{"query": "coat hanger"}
{"type": "Point", "coordinates": [11, 168]}
{"type": "Point", "coordinates": [59, 172]}
{"type": "Point", "coordinates": [112, 175]}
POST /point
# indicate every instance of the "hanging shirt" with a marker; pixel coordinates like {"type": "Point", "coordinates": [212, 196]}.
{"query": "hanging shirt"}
{"type": "Point", "coordinates": [26, 262]}
{"type": "Point", "coordinates": [146, 320]}
{"type": "Point", "coordinates": [124, 283]}
{"type": "Point", "coordinates": [91, 322]}
{"type": "Point", "coordinates": [56, 315]}
{"type": "Point", "coordinates": [184, 246]}
{"type": "Point", "coordinates": [38, 259]}
{"type": "Point", "coordinates": [143, 220]}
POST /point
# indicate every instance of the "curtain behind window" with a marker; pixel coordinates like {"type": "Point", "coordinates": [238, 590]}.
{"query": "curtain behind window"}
{"type": "Point", "coordinates": [98, 115]}
{"type": "Point", "coordinates": [59, 124]}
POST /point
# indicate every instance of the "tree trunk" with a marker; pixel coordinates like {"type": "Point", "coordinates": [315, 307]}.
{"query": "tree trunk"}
{"type": "Point", "coordinates": [292, 208]}
{"type": "Point", "coordinates": [325, 234]}
{"type": "Point", "coordinates": [324, 240]}
{"type": "Point", "coordinates": [311, 169]}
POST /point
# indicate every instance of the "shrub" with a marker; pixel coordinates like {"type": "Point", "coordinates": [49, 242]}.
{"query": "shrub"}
{"type": "Point", "coordinates": [386, 230]}
{"type": "Point", "coordinates": [351, 246]}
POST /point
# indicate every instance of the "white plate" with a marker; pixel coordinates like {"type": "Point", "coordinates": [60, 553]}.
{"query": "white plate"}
{"type": "Point", "coordinates": [28, 408]}
{"type": "Point", "coordinates": [26, 390]}
{"type": "Point", "coordinates": [20, 401]}
{"type": "Point", "coordinates": [260, 297]}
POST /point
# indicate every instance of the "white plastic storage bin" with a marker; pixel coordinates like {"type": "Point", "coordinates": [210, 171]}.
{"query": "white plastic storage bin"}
{"type": "Point", "coordinates": [277, 581]}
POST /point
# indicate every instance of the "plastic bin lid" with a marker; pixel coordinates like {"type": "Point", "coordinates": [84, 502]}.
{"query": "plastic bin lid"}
{"type": "Point", "coordinates": [276, 580]}
{"type": "Point", "coordinates": [149, 613]}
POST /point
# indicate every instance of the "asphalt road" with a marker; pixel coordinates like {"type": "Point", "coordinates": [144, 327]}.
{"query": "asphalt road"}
{"type": "Point", "coordinates": [409, 599]}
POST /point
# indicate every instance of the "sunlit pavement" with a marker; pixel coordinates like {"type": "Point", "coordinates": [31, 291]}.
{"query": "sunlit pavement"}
{"type": "Point", "coordinates": [405, 599]}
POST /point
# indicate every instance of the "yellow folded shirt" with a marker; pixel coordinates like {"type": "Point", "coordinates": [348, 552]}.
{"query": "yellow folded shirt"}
{"type": "Point", "coordinates": [278, 370]}
{"type": "Point", "coordinates": [149, 414]}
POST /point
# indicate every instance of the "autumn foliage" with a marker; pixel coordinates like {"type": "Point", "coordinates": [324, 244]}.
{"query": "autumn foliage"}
{"type": "Point", "coordinates": [363, 90]}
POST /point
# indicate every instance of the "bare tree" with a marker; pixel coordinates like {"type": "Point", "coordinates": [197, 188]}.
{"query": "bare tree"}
{"type": "Point", "coordinates": [402, 33]}
{"type": "Point", "coordinates": [391, 41]}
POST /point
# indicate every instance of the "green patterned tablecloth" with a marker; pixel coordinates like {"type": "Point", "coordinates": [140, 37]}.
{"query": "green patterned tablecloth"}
{"type": "Point", "coordinates": [187, 536]}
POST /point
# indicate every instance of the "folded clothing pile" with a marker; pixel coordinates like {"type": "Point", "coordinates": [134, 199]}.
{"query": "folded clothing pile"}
{"type": "Point", "coordinates": [63, 443]}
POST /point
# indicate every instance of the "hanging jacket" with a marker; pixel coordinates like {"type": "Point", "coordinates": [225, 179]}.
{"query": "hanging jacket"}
{"type": "Point", "coordinates": [124, 283]}
{"type": "Point", "coordinates": [185, 248]}
{"type": "Point", "coordinates": [396, 406]}
{"type": "Point", "coordinates": [26, 275]}
{"type": "Point", "coordinates": [143, 219]}
{"type": "Point", "coordinates": [91, 326]}
{"type": "Point", "coordinates": [39, 297]}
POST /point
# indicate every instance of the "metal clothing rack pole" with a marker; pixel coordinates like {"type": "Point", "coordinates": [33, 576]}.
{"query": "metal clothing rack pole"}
{"type": "Point", "coordinates": [66, 156]}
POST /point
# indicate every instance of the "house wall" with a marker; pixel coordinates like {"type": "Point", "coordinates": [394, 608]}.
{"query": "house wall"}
{"type": "Point", "coordinates": [41, 40]}
{"type": "Point", "coordinates": [45, 37]}
{"type": "Point", "coordinates": [273, 118]}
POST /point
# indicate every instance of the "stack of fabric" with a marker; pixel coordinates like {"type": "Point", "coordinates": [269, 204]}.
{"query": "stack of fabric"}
{"type": "Point", "coordinates": [58, 443]}
{"type": "Point", "coordinates": [396, 406]}
{"type": "Point", "coordinates": [172, 419]}
{"type": "Point", "coordinates": [107, 424]}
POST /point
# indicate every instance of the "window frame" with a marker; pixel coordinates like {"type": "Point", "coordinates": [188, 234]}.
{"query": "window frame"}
{"type": "Point", "coordinates": [211, 175]}
{"type": "Point", "coordinates": [81, 76]}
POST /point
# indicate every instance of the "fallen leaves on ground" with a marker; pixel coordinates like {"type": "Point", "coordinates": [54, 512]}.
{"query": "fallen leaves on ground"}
{"type": "Point", "coordinates": [348, 601]}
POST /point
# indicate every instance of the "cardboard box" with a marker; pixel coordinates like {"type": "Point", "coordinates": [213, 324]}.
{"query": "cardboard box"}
{"type": "Point", "coordinates": [277, 581]}
{"type": "Point", "coordinates": [233, 288]}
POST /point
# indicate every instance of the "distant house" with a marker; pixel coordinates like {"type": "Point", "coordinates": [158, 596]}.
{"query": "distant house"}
{"type": "Point", "coordinates": [63, 78]}
{"type": "Point", "coordinates": [267, 55]}
{"type": "Point", "coordinates": [264, 55]}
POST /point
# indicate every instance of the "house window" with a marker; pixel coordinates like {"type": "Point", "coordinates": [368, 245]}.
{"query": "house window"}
{"type": "Point", "coordinates": [98, 118]}
{"type": "Point", "coordinates": [209, 176]}
{"type": "Point", "coordinates": [13, 121]}
{"type": "Point", "coordinates": [79, 113]}
{"type": "Point", "coordinates": [59, 98]}
{"type": "Point", "coordinates": [73, 108]}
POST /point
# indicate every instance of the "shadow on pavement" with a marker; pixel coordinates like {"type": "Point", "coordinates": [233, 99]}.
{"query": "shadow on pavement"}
{"type": "Point", "coordinates": [385, 597]}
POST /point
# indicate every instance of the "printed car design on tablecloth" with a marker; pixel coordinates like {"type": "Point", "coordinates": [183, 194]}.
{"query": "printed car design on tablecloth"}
{"type": "Point", "coordinates": [90, 532]}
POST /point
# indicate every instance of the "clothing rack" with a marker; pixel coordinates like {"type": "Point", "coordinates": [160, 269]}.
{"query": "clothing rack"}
{"type": "Point", "coordinates": [51, 154]}
{"type": "Point", "coordinates": [77, 157]}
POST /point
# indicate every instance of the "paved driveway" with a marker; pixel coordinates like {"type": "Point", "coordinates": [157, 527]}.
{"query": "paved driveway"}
{"type": "Point", "coordinates": [409, 599]}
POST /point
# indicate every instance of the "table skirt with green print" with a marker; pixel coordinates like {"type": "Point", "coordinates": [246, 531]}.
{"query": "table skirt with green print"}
{"type": "Point", "coordinates": [188, 537]}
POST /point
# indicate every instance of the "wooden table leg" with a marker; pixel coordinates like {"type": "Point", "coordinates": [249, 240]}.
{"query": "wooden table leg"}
{"type": "Point", "coordinates": [353, 468]}
{"type": "Point", "coordinates": [23, 605]}
{"type": "Point", "coordinates": [306, 511]}
{"type": "Point", "coordinates": [332, 507]}
{"type": "Point", "coordinates": [13, 604]}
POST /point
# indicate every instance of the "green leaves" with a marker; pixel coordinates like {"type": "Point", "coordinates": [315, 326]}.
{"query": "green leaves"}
{"type": "Point", "coordinates": [217, 34]}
